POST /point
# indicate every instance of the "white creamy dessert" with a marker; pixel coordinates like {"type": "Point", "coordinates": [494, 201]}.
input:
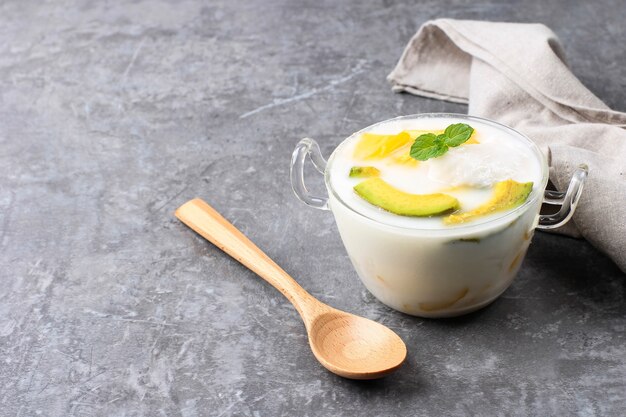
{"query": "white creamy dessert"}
{"type": "Point", "coordinates": [466, 172]}
{"type": "Point", "coordinates": [460, 258]}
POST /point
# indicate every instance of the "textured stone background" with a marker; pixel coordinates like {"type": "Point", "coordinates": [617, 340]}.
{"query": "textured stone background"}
{"type": "Point", "coordinates": [114, 113]}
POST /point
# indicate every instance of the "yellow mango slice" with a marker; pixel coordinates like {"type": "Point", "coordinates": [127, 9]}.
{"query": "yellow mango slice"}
{"type": "Point", "coordinates": [375, 146]}
{"type": "Point", "coordinates": [516, 261]}
{"type": "Point", "coordinates": [403, 155]}
{"type": "Point", "coordinates": [404, 158]}
{"type": "Point", "coordinates": [440, 305]}
{"type": "Point", "coordinates": [472, 140]}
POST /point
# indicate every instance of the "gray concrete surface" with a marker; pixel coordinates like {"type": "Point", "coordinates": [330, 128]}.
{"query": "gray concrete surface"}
{"type": "Point", "coordinates": [114, 113]}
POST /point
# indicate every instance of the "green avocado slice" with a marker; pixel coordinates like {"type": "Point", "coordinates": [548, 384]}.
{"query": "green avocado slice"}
{"type": "Point", "coordinates": [379, 193]}
{"type": "Point", "coordinates": [506, 196]}
{"type": "Point", "coordinates": [364, 172]}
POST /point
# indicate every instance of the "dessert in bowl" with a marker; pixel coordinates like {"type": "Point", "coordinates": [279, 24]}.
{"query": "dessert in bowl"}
{"type": "Point", "coordinates": [436, 211]}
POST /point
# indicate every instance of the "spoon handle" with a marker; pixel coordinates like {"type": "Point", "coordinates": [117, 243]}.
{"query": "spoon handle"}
{"type": "Point", "coordinates": [209, 224]}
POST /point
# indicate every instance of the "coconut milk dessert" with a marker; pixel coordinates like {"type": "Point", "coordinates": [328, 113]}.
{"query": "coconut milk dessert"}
{"type": "Point", "coordinates": [434, 211]}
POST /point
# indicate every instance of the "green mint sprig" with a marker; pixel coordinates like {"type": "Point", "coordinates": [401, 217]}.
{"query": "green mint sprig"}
{"type": "Point", "coordinates": [430, 145]}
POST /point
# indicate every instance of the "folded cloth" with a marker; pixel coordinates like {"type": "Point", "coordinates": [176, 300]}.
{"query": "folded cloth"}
{"type": "Point", "coordinates": [517, 74]}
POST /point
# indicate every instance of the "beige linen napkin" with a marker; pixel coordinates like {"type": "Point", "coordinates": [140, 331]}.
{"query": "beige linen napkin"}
{"type": "Point", "coordinates": [516, 74]}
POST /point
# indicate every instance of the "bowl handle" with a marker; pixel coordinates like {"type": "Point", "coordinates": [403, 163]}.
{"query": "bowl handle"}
{"type": "Point", "coordinates": [306, 147]}
{"type": "Point", "coordinates": [567, 200]}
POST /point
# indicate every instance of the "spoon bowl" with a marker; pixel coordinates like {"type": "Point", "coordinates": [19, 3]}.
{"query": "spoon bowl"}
{"type": "Point", "coordinates": [347, 345]}
{"type": "Point", "coordinates": [355, 347]}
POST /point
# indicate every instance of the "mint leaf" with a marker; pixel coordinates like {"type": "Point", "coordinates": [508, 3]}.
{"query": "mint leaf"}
{"type": "Point", "coordinates": [457, 134]}
{"type": "Point", "coordinates": [428, 146]}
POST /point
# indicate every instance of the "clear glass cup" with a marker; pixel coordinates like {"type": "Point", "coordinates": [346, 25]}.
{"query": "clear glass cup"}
{"type": "Point", "coordinates": [438, 273]}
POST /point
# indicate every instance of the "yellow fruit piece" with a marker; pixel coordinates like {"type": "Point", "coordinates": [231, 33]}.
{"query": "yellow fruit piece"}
{"type": "Point", "coordinates": [404, 157]}
{"type": "Point", "coordinates": [517, 260]}
{"type": "Point", "coordinates": [375, 146]}
{"type": "Point", "coordinates": [506, 196]}
{"type": "Point", "coordinates": [472, 140]}
{"type": "Point", "coordinates": [440, 305]}
{"type": "Point", "coordinates": [403, 154]}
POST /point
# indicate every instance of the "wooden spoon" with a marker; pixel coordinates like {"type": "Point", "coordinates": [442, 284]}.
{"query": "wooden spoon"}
{"type": "Point", "coordinates": [348, 345]}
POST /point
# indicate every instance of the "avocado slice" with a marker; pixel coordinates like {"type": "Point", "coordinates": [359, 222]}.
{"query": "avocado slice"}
{"type": "Point", "coordinates": [379, 193]}
{"type": "Point", "coordinates": [506, 196]}
{"type": "Point", "coordinates": [364, 172]}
